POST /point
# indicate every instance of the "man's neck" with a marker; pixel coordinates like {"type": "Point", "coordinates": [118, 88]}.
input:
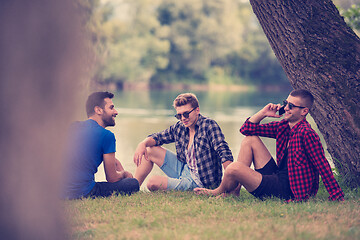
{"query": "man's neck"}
{"type": "Point", "coordinates": [192, 127]}
{"type": "Point", "coordinates": [98, 120]}
{"type": "Point", "coordinates": [292, 124]}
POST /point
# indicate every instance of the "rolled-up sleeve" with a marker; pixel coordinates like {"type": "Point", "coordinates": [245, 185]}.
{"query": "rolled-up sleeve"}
{"type": "Point", "coordinates": [164, 137]}
{"type": "Point", "coordinates": [218, 141]}
{"type": "Point", "coordinates": [264, 130]}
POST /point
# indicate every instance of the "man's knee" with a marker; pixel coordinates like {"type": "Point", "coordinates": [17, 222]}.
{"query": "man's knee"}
{"type": "Point", "coordinates": [151, 152]}
{"type": "Point", "coordinates": [156, 183]}
{"type": "Point", "coordinates": [235, 169]}
{"type": "Point", "coordinates": [155, 152]}
{"type": "Point", "coordinates": [242, 174]}
{"type": "Point", "coordinates": [250, 141]}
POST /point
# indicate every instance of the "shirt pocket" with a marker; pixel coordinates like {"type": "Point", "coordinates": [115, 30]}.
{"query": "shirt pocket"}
{"type": "Point", "coordinates": [298, 157]}
{"type": "Point", "coordinates": [203, 145]}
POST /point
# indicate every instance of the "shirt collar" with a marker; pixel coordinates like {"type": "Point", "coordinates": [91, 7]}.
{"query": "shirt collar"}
{"type": "Point", "coordinates": [298, 125]}
{"type": "Point", "coordinates": [199, 120]}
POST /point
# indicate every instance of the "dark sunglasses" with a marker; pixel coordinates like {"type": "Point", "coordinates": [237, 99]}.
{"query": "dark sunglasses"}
{"type": "Point", "coordinates": [185, 114]}
{"type": "Point", "coordinates": [291, 106]}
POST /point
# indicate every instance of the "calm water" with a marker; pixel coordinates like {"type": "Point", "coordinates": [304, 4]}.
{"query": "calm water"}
{"type": "Point", "coordinates": [143, 113]}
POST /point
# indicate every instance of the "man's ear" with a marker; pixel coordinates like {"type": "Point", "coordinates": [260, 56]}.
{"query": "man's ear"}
{"type": "Point", "coordinates": [305, 111]}
{"type": "Point", "coordinates": [98, 110]}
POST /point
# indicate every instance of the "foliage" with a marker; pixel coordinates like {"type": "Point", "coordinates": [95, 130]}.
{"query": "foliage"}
{"type": "Point", "coordinates": [352, 16]}
{"type": "Point", "coordinates": [162, 41]}
{"type": "Point", "coordinates": [212, 41]}
{"type": "Point", "coordinates": [93, 17]}
{"type": "Point", "coordinates": [134, 51]}
{"type": "Point", "coordinates": [217, 42]}
{"type": "Point", "coordinates": [255, 62]}
{"type": "Point", "coordinates": [200, 32]}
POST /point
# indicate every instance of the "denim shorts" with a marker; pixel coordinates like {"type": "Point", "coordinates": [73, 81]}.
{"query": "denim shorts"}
{"type": "Point", "coordinates": [179, 176]}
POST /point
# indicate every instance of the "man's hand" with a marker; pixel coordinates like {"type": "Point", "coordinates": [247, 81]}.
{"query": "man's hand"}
{"type": "Point", "coordinates": [139, 153]}
{"type": "Point", "coordinates": [126, 174]}
{"type": "Point", "coordinates": [268, 111]}
{"type": "Point", "coordinates": [271, 109]}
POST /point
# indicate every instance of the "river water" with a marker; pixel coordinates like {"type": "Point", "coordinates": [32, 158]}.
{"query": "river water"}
{"type": "Point", "coordinates": [144, 112]}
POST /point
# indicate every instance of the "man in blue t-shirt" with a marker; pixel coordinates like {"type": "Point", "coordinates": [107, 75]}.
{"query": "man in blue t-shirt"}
{"type": "Point", "coordinates": [90, 144]}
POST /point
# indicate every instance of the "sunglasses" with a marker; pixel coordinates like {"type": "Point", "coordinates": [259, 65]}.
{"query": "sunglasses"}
{"type": "Point", "coordinates": [291, 106]}
{"type": "Point", "coordinates": [185, 114]}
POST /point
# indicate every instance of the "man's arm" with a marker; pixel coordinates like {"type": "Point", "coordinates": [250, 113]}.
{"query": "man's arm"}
{"type": "Point", "coordinates": [218, 143]}
{"type": "Point", "coordinates": [268, 111]}
{"type": "Point", "coordinates": [156, 139]}
{"type": "Point", "coordinates": [226, 164]}
{"type": "Point", "coordinates": [111, 166]}
{"type": "Point", "coordinates": [251, 127]}
{"type": "Point", "coordinates": [316, 154]}
{"type": "Point", "coordinates": [118, 165]}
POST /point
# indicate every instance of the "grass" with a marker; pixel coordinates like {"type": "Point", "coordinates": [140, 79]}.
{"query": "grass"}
{"type": "Point", "coordinates": [184, 215]}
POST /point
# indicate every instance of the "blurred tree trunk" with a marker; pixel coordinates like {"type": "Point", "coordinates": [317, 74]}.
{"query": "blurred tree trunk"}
{"type": "Point", "coordinates": [42, 63]}
{"type": "Point", "coordinates": [319, 52]}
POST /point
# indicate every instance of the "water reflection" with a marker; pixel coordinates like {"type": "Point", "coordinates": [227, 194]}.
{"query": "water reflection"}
{"type": "Point", "coordinates": [143, 113]}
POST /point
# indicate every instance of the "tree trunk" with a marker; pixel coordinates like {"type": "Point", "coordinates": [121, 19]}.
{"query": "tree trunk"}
{"type": "Point", "coordinates": [320, 53]}
{"type": "Point", "coordinates": [42, 58]}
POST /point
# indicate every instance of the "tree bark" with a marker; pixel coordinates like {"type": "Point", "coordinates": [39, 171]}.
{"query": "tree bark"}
{"type": "Point", "coordinates": [320, 53]}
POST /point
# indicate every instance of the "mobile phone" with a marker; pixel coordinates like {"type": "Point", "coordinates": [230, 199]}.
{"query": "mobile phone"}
{"type": "Point", "coordinates": [282, 110]}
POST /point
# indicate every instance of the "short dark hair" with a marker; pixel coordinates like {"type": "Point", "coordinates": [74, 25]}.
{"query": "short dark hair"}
{"type": "Point", "coordinates": [305, 95]}
{"type": "Point", "coordinates": [96, 99]}
{"type": "Point", "coordinates": [186, 98]}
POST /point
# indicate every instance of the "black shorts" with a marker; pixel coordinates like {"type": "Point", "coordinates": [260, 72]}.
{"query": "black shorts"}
{"type": "Point", "coordinates": [270, 185]}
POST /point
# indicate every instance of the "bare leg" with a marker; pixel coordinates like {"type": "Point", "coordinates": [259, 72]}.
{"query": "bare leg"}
{"type": "Point", "coordinates": [143, 170]}
{"type": "Point", "coordinates": [239, 173]}
{"type": "Point", "coordinates": [254, 151]}
{"type": "Point", "coordinates": [156, 155]}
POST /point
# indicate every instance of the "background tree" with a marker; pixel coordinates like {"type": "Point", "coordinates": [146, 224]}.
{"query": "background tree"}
{"type": "Point", "coordinates": [166, 41]}
{"type": "Point", "coordinates": [133, 51]}
{"type": "Point", "coordinates": [319, 52]}
{"type": "Point", "coordinates": [200, 32]}
{"type": "Point", "coordinates": [254, 63]}
{"type": "Point", "coordinates": [352, 17]}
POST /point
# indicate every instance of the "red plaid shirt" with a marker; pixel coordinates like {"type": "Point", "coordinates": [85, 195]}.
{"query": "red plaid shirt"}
{"type": "Point", "coordinates": [306, 158]}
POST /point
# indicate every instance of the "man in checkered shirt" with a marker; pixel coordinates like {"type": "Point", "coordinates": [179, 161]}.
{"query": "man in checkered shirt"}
{"type": "Point", "coordinates": [300, 156]}
{"type": "Point", "coordinates": [201, 151]}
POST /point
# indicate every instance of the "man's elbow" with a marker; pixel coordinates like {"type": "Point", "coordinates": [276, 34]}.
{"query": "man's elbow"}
{"type": "Point", "coordinates": [243, 131]}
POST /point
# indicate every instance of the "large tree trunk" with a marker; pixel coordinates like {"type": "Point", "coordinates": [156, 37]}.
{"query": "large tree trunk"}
{"type": "Point", "coordinates": [319, 52]}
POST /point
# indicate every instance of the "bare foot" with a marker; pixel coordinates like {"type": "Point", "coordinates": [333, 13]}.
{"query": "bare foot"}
{"type": "Point", "coordinates": [204, 191]}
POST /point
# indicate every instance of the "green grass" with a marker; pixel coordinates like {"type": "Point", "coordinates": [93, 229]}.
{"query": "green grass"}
{"type": "Point", "coordinates": [184, 215]}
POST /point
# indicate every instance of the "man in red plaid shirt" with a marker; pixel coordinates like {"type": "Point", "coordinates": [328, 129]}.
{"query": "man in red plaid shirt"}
{"type": "Point", "coordinates": [300, 156]}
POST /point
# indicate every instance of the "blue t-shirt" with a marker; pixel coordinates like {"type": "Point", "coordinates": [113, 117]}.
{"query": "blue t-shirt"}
{"type": "Point", "coordinates": [87, 143]}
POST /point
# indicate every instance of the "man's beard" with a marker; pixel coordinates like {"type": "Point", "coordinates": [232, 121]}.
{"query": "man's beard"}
{"type": "Point", "coordinates": [109, 121]}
